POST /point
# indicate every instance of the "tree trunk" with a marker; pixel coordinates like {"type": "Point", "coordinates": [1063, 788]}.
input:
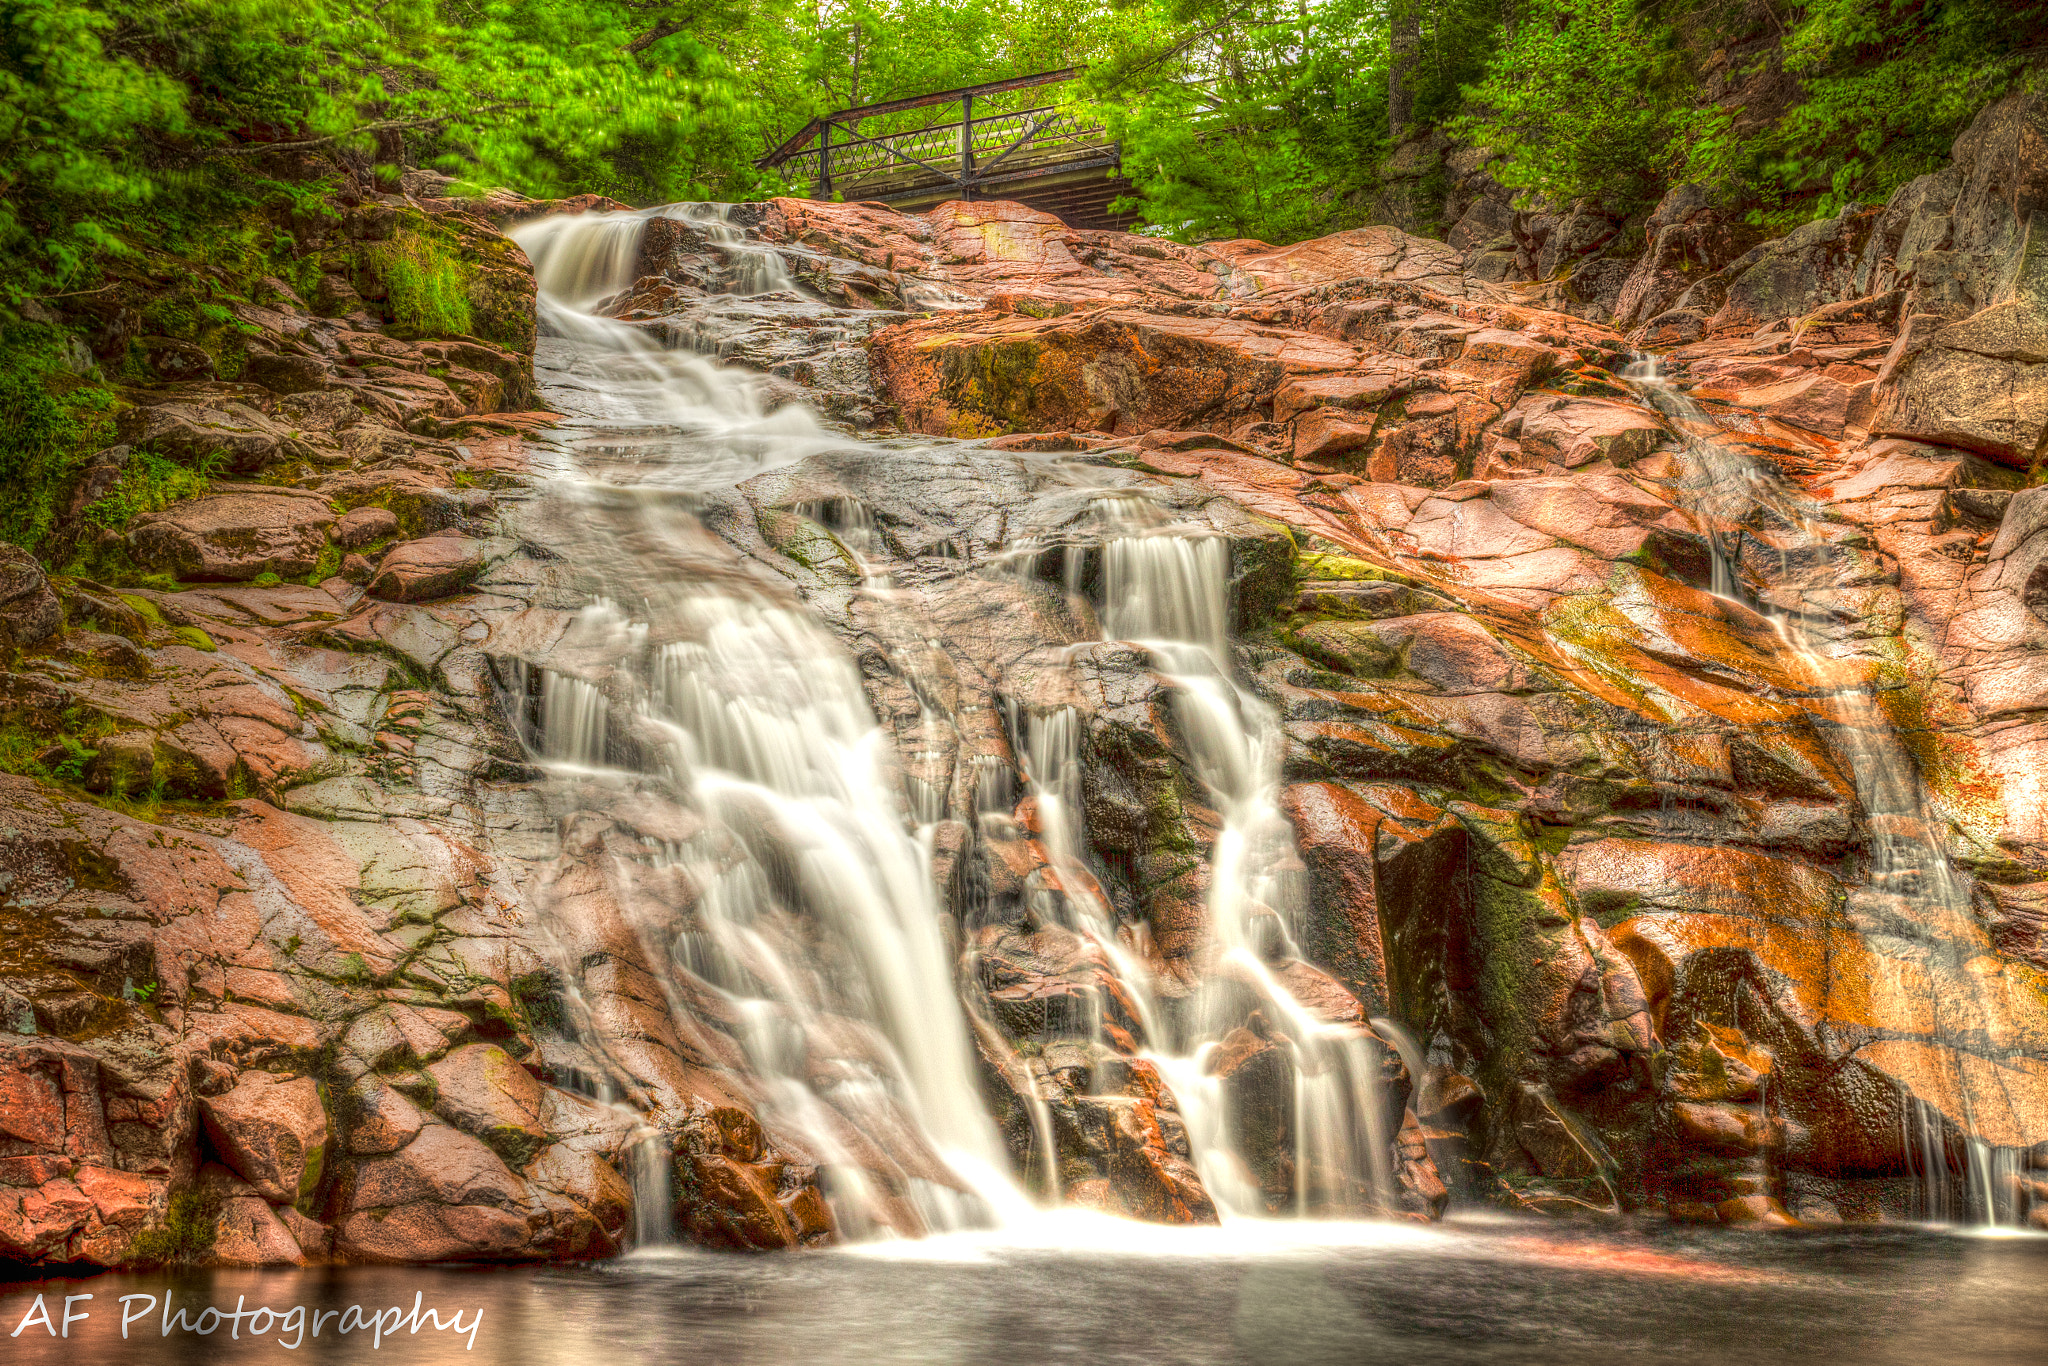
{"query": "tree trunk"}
{"type": "Point", "coordinates": [1404, 52]}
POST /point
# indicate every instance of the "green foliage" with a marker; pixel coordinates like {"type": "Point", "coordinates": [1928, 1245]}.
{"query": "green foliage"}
{"type": "Point", "coordinates": [1256, 125]}
{"type": "Point", "coordinates": [429, 287]}
{"type": "Point", "coordinates": [49, 417]}
{"type": "Point", "coordinates": [71, 767]}
{"type": "Point", "coordinates": [1885, 88]}
{"type": "Point", "coordinates": [67, 105]}
{"type": "Point", "coordinates": [150, 483]}
{"type": "Point", "coordinates": [1582, 101]}
{"type": "Point", "coordinates": [62, 757]}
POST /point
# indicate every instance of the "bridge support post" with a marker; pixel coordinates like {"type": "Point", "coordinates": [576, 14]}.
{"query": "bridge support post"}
{"type": "Point", "coordinates": [825, 161]}
{"type": "Point", "coordinates": [967, 146]}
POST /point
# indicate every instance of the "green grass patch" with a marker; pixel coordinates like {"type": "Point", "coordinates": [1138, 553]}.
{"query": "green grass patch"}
{"type": "Point", "coordinates": [429, 287]}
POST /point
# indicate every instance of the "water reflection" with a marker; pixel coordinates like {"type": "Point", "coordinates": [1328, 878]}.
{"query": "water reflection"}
{"type": "Point", "coordinates": [1075, 1287]}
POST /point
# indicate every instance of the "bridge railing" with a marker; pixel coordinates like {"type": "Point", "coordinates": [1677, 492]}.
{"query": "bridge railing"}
{"type": "Point", "coordinates": [834, 154]}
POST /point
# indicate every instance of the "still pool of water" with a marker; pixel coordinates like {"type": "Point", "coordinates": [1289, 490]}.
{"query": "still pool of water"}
{"type": "Point", "coordinates": [1071, 1288]}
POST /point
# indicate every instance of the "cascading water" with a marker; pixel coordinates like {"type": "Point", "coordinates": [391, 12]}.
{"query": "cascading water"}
{"type": "Point", "coordinates": [814, 918]}
{"type": "Point", "coordinates": [1934, 959]}
{"type": "Point", "coordinates": [1169, 591]}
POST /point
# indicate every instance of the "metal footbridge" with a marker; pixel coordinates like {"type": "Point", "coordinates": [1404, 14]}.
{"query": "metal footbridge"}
{"type": "Point", "coordinates": [911, 154]}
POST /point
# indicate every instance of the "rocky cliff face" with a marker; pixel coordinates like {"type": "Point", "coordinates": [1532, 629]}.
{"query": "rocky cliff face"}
{"type": "Point", "coordinates": [1636, 767]}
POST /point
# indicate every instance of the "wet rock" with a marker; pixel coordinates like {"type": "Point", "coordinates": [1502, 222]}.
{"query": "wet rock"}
{"type": "Point", "coordinates": [444, 1196]}
{"type": "Point", "coordinates": [434, 567]}
{"type": "Point", "coordinates": [247, 1230]}
{"type": "Point", "coordinates": [63, 1196]}
{"type": "Point", "coordinates": [235, 536]}
{"type": "Point", "coordinates": [483, 1092]}
{"type": "Point", "coordinates": [1575, 432]}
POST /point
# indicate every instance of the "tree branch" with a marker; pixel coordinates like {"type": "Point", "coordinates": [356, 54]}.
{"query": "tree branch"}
{"type": "Point", "coordinates": [662, 29]}
{"type": "Point", "coordinates": [249, 149]}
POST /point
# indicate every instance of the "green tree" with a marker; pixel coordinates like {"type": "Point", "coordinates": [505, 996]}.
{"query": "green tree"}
{"type": "Point", "coordinates": [1582, 99]}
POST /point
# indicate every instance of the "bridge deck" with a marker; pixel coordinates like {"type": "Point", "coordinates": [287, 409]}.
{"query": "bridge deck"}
{"type": "Point", "coordinates": [1049, 157]}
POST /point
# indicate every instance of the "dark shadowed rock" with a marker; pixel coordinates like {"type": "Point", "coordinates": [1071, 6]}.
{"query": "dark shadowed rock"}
{"type": "Point", "coordinates": [29, 610]}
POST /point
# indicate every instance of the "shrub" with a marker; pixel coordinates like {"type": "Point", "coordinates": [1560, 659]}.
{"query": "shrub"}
{"type": "Point", "coordinates": [1582, 100]}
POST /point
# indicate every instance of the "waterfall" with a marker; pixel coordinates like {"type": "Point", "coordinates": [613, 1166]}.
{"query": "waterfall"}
{"type": "Point", "coordinates": [596, 366]}
{"type": "Point", "coordinates": [813, 917]}
{"type": "Point", "coordinates": [1912, 909]}
{"type": "Point", "coordinates": [754, 269]}
{"type": "Point", "coordinates": [1168, 589]}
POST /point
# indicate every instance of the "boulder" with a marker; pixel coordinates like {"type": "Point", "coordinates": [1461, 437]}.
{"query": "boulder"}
{"type": "Point", "coordinates": [240, 438]}
{"type": "Point", "coordinates": [1962, 238]}
{"type": "Point", "coordinates": [235, 536]}
{"type": "Point", "coordinates": [483, 1092]}
{"type": "Point", "coordinates": [432, 567]}
{"type": "Point", "coordinates": [447, 1197]}
{"type": "Point", "coordinates": [174, 360]}
{"type": "Point", "coordinates": [1688, 236]}
{"type": "Point", "coordinates": [29, 611]}
{"type": "Point", "coordinates": [272, 1132]}
{"type": "Point", "coordinates": [1573, 432]}
{"type": "Point", "coordinates": [365, 525]}
{"type": "Point", "coordinates": [379, 1118]}
{"type": "Point", "coordinates": [1789, 276]}
{"type": "Point", "coordinates": [247, 1231]}
{"type": "Point", "coordinates": [1981, 383]}
{"type": "Point", "coordinates": [288, 372]}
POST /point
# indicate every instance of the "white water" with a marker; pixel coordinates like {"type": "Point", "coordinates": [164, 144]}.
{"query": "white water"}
{"type": "Point", "coordinates": [1168, 589]}
{"type": "Point", "coordinates": [614, 371]}
{"type": "Point", "coordinates": [1933, 958]}
{"type": "Point", "coordinates": [815, 916]}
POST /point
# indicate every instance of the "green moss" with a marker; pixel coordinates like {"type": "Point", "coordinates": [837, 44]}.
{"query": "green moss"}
{"type": "Point", "coordinates": [20, 750]}
{"type": "Point", "coordinates": [428, 284]}
{"type": "Point", "coordinates": [196, 638]}
{"type": "Point", "coordinates": [539, 998]}
{"type": "Point", "coordinates": [49, 418]}
{"type": "Point", "coordinates": [148, 484]}
{"type": "Point", "coordinates": [1343, 568]}
{"type": "Point", "coordinates": [144, 608]}
{"type": "Point", "coordinates": [328, 566]}
{"type": "Point", "coordinates": [184, 1235]}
